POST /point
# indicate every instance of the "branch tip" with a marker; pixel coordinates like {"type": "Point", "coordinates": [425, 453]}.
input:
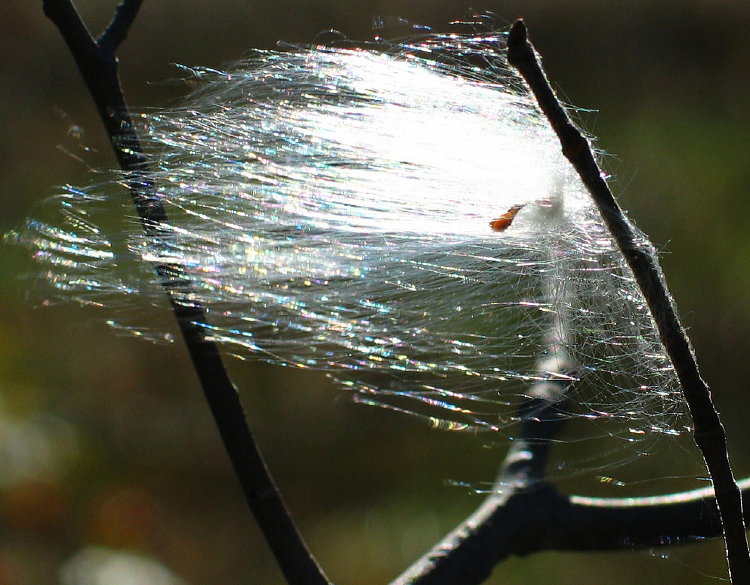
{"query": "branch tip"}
{"type": "Point", "coordinates": [118, 28]}
{"type": "Point", "coordinates": [518, 32]}
{"type": "Point", "coordinates": [518, 45]}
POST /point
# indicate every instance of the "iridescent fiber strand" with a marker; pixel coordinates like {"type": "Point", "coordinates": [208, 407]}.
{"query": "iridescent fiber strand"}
{"type": "Point", "coordinates": [333, 209]}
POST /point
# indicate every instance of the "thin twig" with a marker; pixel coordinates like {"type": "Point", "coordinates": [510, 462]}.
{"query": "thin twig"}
{"type": "Point", "coordinates": [703, 495]}
{"type": "Point", "coordinates": [640, 256]}
{"type": "Point", "coordinates": [584, 523]}
{"type": "Point", "coordinates": [115, 33]}
{"type": "Point", "coordinates": [98, 65]}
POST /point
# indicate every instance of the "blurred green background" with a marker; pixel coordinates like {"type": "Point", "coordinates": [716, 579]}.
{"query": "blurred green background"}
{"type": "Point", "coordinates": [106, 442]}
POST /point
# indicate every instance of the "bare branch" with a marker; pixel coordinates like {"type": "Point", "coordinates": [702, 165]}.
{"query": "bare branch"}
{"type": "Point", "coordinates": [98, 66]}
{"type": "Point", "coordinates": [613, 523]}
{"type": "Point", "coordinates": [709, 433]}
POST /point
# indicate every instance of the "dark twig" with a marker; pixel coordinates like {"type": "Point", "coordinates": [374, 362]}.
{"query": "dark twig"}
{"type": "Point", "coordinates": [117, 30]}
{"type": "Point", "coordinates": [98, 65]}
{"type": "Point", "coordinates": [584, 523]}
{"type": "Point", "coordinates": [709, 433]}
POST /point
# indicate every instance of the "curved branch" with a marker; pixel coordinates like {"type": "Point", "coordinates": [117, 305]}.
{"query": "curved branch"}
{"type": "Point", "coordinates": [704, 496]}
{"type": "Point", "coordinates": [709, 432]}
{"type": "Point", "coordinates": [98, 65]}
{"type": "Point", "coordinates": [584, 523]}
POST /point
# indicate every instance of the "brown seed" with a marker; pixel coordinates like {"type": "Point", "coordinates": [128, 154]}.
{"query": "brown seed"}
{"type": "Point", "coordinates": [503, 222]}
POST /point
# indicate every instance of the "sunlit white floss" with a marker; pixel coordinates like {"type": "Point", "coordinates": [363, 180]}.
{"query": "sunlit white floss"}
{"type": "Point", "coordinates": [333, 211]}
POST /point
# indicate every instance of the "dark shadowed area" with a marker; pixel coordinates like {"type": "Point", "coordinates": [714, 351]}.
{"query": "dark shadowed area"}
{"type": "Point", "coordinates": [106, 445]}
